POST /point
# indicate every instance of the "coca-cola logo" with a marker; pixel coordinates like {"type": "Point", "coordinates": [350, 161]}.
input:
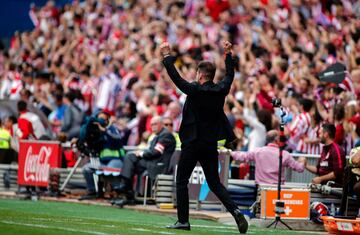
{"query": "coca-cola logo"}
{"type": "Point", "coordinates": [37, 165]}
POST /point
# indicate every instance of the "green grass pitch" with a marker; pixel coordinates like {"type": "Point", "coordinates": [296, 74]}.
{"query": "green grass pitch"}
{"type": "Point", "coordinates": [28, 217]}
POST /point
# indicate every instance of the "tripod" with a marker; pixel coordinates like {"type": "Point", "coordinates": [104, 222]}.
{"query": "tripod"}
{"type": "Point", "coordinates": [93, 160]}
{"type": "Point", "coordinates": [280, 205]}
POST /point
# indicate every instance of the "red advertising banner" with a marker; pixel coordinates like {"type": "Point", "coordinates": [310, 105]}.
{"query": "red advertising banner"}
{"type": "Point", "coordinates": [36, 158]}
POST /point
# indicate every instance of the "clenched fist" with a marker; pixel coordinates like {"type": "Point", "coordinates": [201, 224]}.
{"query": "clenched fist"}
{"type": "Point", "coordinates": [165, 49]}
{"type": "Point", "coordinates": [227, 46]}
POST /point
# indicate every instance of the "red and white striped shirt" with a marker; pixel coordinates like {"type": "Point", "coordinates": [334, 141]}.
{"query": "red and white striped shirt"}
{"type": "Point", "coordinates": [347, 84]}
{"type": "Point", "coordinates": [312, 134]}
{"type": "Point", "coordinates": [298, 130]}
{"type": "Point", "coordinates": [88, 90]}
{"type": "Point", "coordinates": [108, 92]}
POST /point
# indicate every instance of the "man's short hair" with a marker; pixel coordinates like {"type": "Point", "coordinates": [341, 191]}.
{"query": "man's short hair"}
{"type": "Point", "coordinates": [70, 96]}
{"type": "Point", "coordinates": [13, 119]}
{"type": "Point", "coordinates": [156, 119]}
{"type": "Point", "coordinates": [21, 105]}
{"type": "Point", "coordinates": [166, 118]}
{"type": "Point", "coordinates": [272, 136]}
{"type": "Point", "coordinates": [330, 129]}
{"type": "Point", "coordinates": [307, 104]}
{"type": "Point", "coordinates": [208, 69]}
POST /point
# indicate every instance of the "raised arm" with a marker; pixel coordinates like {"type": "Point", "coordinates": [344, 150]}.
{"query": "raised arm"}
{"type": "Point", "coordinates": [244, 156]}
{"type": "Point", "coordinates": [168, 62]}
{"type": "Point", "coordinates": [225, 84]}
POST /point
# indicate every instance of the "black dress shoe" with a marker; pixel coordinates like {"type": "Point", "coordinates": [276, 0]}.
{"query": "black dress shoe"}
{"type": "Point", "coordinates": [122, 188]}
{"type": "Point", "coordinates": [241, 221]}
{"type": "Point", "coordinates": [88, 196]}
{"type": "Point", "coordinates": [122, 202]}
{"type": "Point", "coordinates": [181, 226]}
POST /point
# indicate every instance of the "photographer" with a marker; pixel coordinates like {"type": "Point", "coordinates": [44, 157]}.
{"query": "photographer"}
{"type": "Point", "coordinates": [100, 138]}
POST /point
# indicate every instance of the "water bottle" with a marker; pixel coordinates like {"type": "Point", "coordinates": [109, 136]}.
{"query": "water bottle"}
{"type": "Point", "coordinates": [332, 209]}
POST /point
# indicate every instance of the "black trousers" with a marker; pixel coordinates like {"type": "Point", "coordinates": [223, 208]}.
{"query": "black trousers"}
{"type": "Point", "coordinates": [133, 165]}
{"type": "Point", "coordinates": [207, 155]}
{"type": "Point", "coordinates": [7, 156]}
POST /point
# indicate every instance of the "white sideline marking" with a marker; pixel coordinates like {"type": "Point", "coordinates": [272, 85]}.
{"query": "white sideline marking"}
{"type": "Point", "coordinates": [106, 225]}
{"type": "Point", "coordinates": [230, 227]}
{"type": "Point", "coordinates": [151, 231]}
{"type": "Point", "coordinates": [53, 227]}
{"type": "Point", "coordinates": [165, 233]}
{"type": "Point", "coordinates": [141, 229]}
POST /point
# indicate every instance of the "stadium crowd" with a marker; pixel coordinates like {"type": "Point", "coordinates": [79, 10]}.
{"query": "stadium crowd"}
{"type": "Point", "coordinates": [104, 55]}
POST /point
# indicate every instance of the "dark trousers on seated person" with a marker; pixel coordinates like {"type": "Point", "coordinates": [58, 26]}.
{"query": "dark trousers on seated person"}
{"type": "Point", "coordinates": [132, 165]}
{"type": "Point", "coordinates": [207, 155]}
{"type": "Point", "coordinates": [357, 190]}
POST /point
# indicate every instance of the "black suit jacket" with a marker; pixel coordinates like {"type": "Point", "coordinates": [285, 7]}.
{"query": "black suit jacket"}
{"type": "Point", "coordinates": [203, 114]}
{"type": "Point", "coordinates": [159, 153]}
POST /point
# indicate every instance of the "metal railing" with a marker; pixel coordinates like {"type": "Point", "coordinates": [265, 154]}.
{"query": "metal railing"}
{"type": "Point", "coordinates": [306, 176]}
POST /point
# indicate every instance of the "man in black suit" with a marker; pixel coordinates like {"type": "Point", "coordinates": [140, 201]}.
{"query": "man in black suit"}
{"type": "Point", "coordinates": [203, 124]}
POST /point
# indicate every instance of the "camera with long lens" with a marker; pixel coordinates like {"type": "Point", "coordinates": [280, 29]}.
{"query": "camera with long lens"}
{"type": "Point", "coordinates": [91, 142]}
{"type": "Point", "coordinates": [86, 150]}
{"type": "Point", "coordinates": [276, 102]}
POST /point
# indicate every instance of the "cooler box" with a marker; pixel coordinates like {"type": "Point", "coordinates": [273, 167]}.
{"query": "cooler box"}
{"type": "Point", "coordinates": [341, 226]}
{"type": "Point", "coordinates": [297, 203]}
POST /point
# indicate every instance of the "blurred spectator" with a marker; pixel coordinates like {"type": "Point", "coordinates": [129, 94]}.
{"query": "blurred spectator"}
{"type": "Point", "coordinates": [11, 126]}
{"type": "Point", "coordinates": [29, 124]}
{"type": "Point", "coordinates": [300, 126]}
{"type": "Point", "coordinates": [312, 140]}
{"type": "Point", "coordinates": [169, 125]}
{"type": "Point", "coordinates": [339, 115]}
{"type": "Point", "coordinates": [123, 130]}
{"type": "Point", "coordinates": [72, 118]}
{"type": "Point", "coordinates": [12, 84]}
{"type": "Point", "coordinates": [5, 145]}
{"type": "Point", "coordinates": [174, 113]}
{"type": "Point", "coordinates": [259, 122]}
{"type": "Point", "coordinates": [107, 95]}
{"type": "Point", "coordinates": [56, 117]}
